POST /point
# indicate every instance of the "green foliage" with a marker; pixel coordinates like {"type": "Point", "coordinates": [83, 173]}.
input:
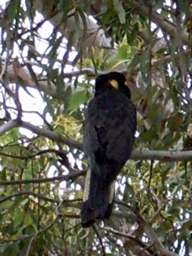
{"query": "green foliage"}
{"type": "Point", "coordinates": [77, 98]}
{"type": "Point", "coordinates": [39, 215]}
{"type": "Point", "coordinates": [120, 10]}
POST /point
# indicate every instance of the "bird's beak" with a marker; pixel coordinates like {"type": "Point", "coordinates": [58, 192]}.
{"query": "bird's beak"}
{"type": "Point", "coordinates": [114, 83]}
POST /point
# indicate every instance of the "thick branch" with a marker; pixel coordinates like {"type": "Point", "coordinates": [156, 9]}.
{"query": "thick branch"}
{"type": "Point", "coordinates": [51, 135]}
{"type": "Point", "coordinates": [136, 155]}
{"type": "Point", "coordinates": [8, 126]}
{"type": "Point", "coordinates": [161, 155]}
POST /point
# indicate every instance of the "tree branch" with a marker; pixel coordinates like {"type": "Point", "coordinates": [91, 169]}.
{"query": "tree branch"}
{"type": "Point", "coordinates": [129, 237]}
{"type": "Point", "coordinates": [90, 33]}
{"type": "Point", "coordinates": [67, 177]}
{"type": "Point", "coordinates": [51, 135]}
{"type": "Point", "coordinates": [159, 20]}
{"type": "Point", "coordinates": [8, 126]}
{"type": "Point", "coordinates": [29, 193]}
{"type": "Point", "coordinates": [162, 155]}
{"type": "Point", "coordinates": [136, 155]}
{"type": "Point", "coordinates": [147, 227]}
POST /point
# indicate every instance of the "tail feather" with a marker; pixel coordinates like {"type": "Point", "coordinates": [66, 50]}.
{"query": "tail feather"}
{"type": "Point", "coordinates": [97, 200]}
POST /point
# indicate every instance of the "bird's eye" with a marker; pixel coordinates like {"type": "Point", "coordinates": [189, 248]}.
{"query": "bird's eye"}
{"type": "Point", "coordinates": [114, 83]}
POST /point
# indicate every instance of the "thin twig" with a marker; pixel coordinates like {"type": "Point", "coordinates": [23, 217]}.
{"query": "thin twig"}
{"type": "Point", "coordinates": [28, 193]}
{"type": "Point", "coordinates": [130, 237]}
{"type": "Point", "coordinates": [29, 246]}
{"type": "Point", "coordinates": [155, 242]}
{"type": "Point", "coordinates": [100, 239]}
{"type": "Point", "coordinates": [39, 153]}
{"type": "Point", "coordinates": [150, 176]}
{"type": "Point", "coordinates": [71, 176]}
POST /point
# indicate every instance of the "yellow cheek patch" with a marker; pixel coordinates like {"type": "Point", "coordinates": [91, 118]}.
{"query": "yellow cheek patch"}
{"type": "Point", "coordinates": [114, 83]}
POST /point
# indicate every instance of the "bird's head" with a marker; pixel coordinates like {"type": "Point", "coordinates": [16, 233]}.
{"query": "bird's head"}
{"type": "Point", "coordinates": [113, 81]}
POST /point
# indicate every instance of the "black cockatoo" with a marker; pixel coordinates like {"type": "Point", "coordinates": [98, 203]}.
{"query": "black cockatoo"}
{"type": "Point", "coordinates": [110, 124]}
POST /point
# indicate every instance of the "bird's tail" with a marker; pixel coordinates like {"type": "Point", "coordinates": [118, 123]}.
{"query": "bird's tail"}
{"type": "Point", "coordinates": [97, 200]}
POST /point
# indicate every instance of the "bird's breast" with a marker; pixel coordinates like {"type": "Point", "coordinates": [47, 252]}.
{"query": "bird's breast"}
{"type": "Point", "coordinates": [109, 106]}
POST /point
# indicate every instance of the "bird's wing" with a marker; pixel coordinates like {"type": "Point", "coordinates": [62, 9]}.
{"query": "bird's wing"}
{"type": "Point", "coordinates": [109, 131]}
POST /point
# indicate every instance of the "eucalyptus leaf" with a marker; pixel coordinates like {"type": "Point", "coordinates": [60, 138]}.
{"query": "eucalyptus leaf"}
{"type": "Point", "coordinates": [77, 98]}
{"type": "Point", "coordinates": [120, 10]}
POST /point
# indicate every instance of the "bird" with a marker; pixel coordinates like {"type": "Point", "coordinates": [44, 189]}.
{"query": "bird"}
{"type": "Point", "coordinates": [109, 133]}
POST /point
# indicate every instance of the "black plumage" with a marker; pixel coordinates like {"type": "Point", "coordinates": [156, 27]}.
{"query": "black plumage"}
{"type": "Point", "coordinates": [110, 124]}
